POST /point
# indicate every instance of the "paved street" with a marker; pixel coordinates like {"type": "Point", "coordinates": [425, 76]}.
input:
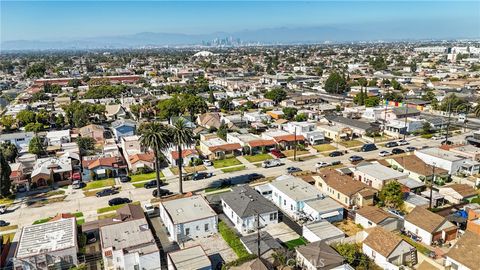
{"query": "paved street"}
{"type": "Point", "coordinates": [75, 201]}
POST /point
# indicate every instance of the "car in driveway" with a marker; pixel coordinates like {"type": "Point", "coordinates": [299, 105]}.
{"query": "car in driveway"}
{"type": "Point", "coordinates": [77, 184]}
{"type": "Point", "coordinates": [384, 153]}
{"type": "Point", "coordinates": [410, 148]}
{"type": "Point", "coordinates": [163, 192]}
{"type": "Point", "coordinates": [125, 178]}
{"type": "Point", "coordinates": [276, 153]}
{"type": "Point", "coordinates": [402, 142]}
{"type": "Point", "coordinates": [3, 223]}
{"type": "Point", "coordinates": [397, 151]}
{"type": "Point", "coordinates": [118, 201]}
{"type": "Point", "coordinates": [335, 154]}
{"type": "Point", "coordinates": [91, 238]}
{"type": "Point", "coordinates": [153, 184]}
{"type": "Point", "coordinates": [355, 158]}
{"type": "Point", "coordinates": [293, 169]}
{"type": "Point", "coordinates": [207, 163]}
{"type": "Point", "coordinates": [201, 175]}
{"type": "Point", "coordinates": [148, 208]}
{"type": "Point", "coordinates": [321, 164]}
{"type": "Point", "coordinates": [391, 144]}
{"type": "Point", "coordinates": [272, 163]}
{"type": "Point", "coordinates": [107, 192]}
{"type": "Point", "coordinates": [368, 147]}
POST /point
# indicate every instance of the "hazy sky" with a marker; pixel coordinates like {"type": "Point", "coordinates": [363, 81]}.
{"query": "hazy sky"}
{"type": "Point", "coordinates": [41, 20]}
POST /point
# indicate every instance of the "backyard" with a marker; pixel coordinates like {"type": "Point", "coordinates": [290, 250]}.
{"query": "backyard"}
{"type": "Point", "coordinates": [228, 162]}
{"type": "Point", "coordinates": [296, 242]}
{"type": "Point", "coordinates": [348, 227]}
{"type": "Point", "coordinates": [99, 184]}
{"type": "Point", "coordinates": [229, 235]}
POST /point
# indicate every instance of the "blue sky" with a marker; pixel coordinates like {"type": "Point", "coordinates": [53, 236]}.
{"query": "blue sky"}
{"type": "Point", "coordinates": [41, 20]}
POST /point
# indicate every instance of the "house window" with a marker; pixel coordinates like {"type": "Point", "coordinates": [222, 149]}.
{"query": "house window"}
{"type": "Point", "coordinates": [370, 223]}
{"type": "Point", "coordinates": [284, 202]}
{"type": "Point", "coordinates": [206, 227]}
{"type": "Point", "coordinates": [346, 200]}
{"type": "Point", "coordinates": [187, 231]}
{"type": "Point", "coordinates": [198, 228]}
{"type": "Point", "coordinates": [338, 195]}
{"type": "Point", "coordinates": [273, 216]}
{"type": "Point", "coordinates": [454, 266]}
{"type": "Point", "coordinates": [374, 254]}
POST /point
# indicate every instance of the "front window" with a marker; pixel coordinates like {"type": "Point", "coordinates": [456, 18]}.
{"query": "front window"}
{"type": "Point", "coordinates": [273, 216]}
{"type": "Point", "coordinates": [206, 227]}
{"type": "Point", "coordinates": [187, 231]}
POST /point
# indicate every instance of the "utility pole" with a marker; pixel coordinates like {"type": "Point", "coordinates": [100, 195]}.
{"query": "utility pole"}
{"type": "Point", "coordinates": [431, 185]}
{"type": "Point", "coordinates": [406, 116]}
{"type": "Point", "coordinates": [385, 117]}
{"type": "Point", "coordinates": [295, 145]}
{"type": "Point", "coordinates": [448, 121]}
{"type": "Point", "coordinates": [258, 235]}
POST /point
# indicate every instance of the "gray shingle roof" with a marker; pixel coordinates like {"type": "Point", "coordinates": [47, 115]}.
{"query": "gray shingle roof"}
{"type": "Point", "coordinates": [246, 202]}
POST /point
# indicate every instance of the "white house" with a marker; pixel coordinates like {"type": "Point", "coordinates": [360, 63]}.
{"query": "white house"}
{"type": "Point", "coordinates": [252, 117]}
{"type": "Point", "coordinates": [450, 161]}
{"type": "Point", "coordinates": [464, 254]}
{"type": "Point", "coordinates": [188, 218]}
{"type": "Point", "coordinates": [301, 200]}
{"type": "Point", "coordinates": [58, 137]}
{"type": "Point", "coordinates": [129, 245]}
{"type": "Point", "coordinates": [243, 206]}
{"type": "Point", "coordinates": [429, 227]}
{"type": "Point", "coordinates": [19, 139]}
{"type": "Point", "coordinates": [375, 174]}
{"type": "Point", "coordinates": [372, 216]}
{"type": "Point", "coordinates": [322, 231]}
{"type": "Point", "coordinates": [307, 129]}
{"type": "Point", "coordinates": [387, 250]}
{"type": "Point", "coordinates": [192, 258]}
{"type": "Point", "coordinates": [457, 193]}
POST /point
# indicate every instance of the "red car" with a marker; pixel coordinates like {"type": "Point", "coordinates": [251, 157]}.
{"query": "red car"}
{"type": "Point", "coordinates": [276, 153]}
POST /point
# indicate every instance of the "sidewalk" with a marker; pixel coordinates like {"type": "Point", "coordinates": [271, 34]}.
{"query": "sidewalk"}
{"type": "Point", "coordinates": [245, 162]}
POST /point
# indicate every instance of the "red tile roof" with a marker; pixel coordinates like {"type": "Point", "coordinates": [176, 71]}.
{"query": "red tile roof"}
{"type": "Point", "coordinates": [257, 143]}
{"type": "Point", "coordinates": [289, 138]}
{"type": "Point", "coordinates": [149, 157]}
{"type": "Point", "coordinates": [225, 147]}
{"type": "Point", "coordinates": [185, 153]}
{"type": "Point", "coordinates": [106, 162]}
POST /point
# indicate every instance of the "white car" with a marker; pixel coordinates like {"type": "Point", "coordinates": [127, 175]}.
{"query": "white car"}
{"type": "Point", "coordinates": [384, 153]}
{"type": "Point", "coordinates": [3, 209]}
{"type": "Point", "coordinates": [436, 138]}
{"type": "Point", "coordinates": [402, 142]}
{"type": "Point", "coordinates": [272, 163]}
{"type": "Point", "coordinates": [207, 162]}
{"type": "Point", "coordinates": [322, 164]}
{"type": "Point", "coordinates": [149, 209]}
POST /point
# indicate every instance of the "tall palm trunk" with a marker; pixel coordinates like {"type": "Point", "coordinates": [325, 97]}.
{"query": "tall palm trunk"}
{"type": "Point", "coordinates": [180, 164]}
{"type": "Point", "coordinates": [157, 171]}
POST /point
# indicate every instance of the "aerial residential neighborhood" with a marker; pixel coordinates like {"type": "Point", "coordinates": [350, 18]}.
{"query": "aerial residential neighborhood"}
{"type": "Point", "coordinates": [232, 153]}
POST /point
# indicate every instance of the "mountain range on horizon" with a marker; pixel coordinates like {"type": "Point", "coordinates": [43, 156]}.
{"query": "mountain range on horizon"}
{"type": "Point", "coordinates": [267, 36]}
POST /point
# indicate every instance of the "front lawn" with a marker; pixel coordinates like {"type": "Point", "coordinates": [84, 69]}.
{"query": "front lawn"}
{"type": "Point", "coordinates": [112, 208]}
{"type": "Point", "coordinates": [324, 147]}
{"type": "Point", "coordinates": [145, 176]}
{"type": "Point", "coordinates": [99, 184]}
{"type": "Point", "coordinates": [199, 168]}
{"type": "Point", "coordinates": [289, 153]}
{"type": "Point", "coordinates": [296, 242]}
{"type": "Point", "coordinates": [229, 235]}
{"type": "Point", "coordinates": [228, 162]}
{"type": "Point", "coordinates": [351, 143]}
{"type": "Point", "coordinates": [257, 157]}
{"type": "Point", "coordinates": [234, 169]}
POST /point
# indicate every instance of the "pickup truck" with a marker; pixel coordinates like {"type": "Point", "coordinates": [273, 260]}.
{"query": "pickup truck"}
{"type": "Point", "coordinates": [272, 163]}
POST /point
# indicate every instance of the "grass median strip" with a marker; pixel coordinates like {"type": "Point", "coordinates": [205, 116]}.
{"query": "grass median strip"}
{"type": "Point", "coordinates": [99, 184]}
{"type": "Point", "coordinates": [234, 169]}
{"type": "Point", "coordinates": [112, 208]}
{"type": "Point", "coordinates": [228, 162]}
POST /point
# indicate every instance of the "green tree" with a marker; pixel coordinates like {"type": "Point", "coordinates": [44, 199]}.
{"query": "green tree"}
{"type": "Point", "coordinates": [36, 70]}
{"type": "Point", "coordinates": [372, 102]}
{"type": "Point", "coordinates": [391, 195]}
{"type": "Point", "coordinates": [452, 102]}
{"type": "Point", "coordinates": [372, 83]}
{"type": "Point", "coordinates": [35, 146]}
{"type": "Point", "coordinates": [427, 128]}
{"type": "Point", "coordinates": [301, 117]}
{"type": "Point", "coordinates": [378, 63]}
{"type": "Point", "coordinates": [276, 95]}
{"type": "Point", "coordinates": [59, 120]}
{"type": "Point", "coordinates": [155, 136]}
{"type": "Point", "coordinates": [7, 122]}
{"type": "Point", "coordinates": [34, 127]}
{"type": "Point", "coordinates": [413, 66]}
{"type": "Point", "coordinates": [393, 96]}
{"type": "Point", "coordinates": [225, 104]}
{"type": "Point", "coordinates": [40, 96]}
{"type": "Point", "coordinates": [5, 172]}
{"type": "Point", "coordinates": [169, 108]}
{"type": "Point", "coordinates": [396, 85]}
{"type": "Point", "coordinates": [211, 97]}
{"type": "Point", "coordinates": [336, 84]}
{"type": "Point", "coordinates": [75, 83]}
{"type": "Point", "coordinates": [182, 136]}
{"type": "Point", "coordinates": [9, 150]}
{"type": "Point", "coordinates": [86, 145]}
{"type": "Point", "coordinates": [193, 104]}
{"type": "Point", "coordinates": [25, 117]}
{"type": "Point", "coordinates": [222, 131]}
{"type": "Point", "coordinates": [289, 112]}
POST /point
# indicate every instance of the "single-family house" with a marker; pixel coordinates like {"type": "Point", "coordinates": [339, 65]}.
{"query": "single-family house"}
{"type": "Point", "coordinates": [18, 177]}
{"type": "Point", "coordinates": [47, 171]}
{"type": "Point", "coordinates": [252, 117]}
{"type": "Point", "coordinates": [93, 131]}
{"type": "Point", "coordinates": [429, 227]}
{"type": "Point", "coordinates": [457, 193]}
{"type": "Point", "coordinates": [188, 155]}
{"type": "Point", "coordinates": [115, 111]}
{"type": "Point", "coordinates": [388, 250]}
{"type": "Point", "coordinates": [450, 161]}
{"type": "Point", "coordinates": [123, 127]}
{"type": "Point", "coordinates": [141, 161]}
{"type": "Point", "coordinates": [322, 231]}
{"type": "Point", "coordinates": [243, 206]}
{"type": "Point", "coordinates": [283, 139]}
{"type": "Point", "coordinates": [251, 144]}
{"type": "Point", "coordinates": [129, 245]}
{"type": "Point", "coordinates": [319, 255]}
{"type": "Point", "coordinates": [416, 168]}
{"type": "Point", "coordinates": [214, 147]}
{"type": "Point", "coordinates": [463, 255]}
{"type": "Point", "coordinates": [209, 120]}
{"type": "Point", "coordinates": [375, 174]}
{"type": "Point", "coordinates": [306, 129]}
{"type": "Point", "coordinates": [20, 139]}
{"type": "Point", "coordinates": [58, 137]}
{"type": "Point", "coordinates": [344, 189]}
{"type": "Point", "coordinates": [358, 127]}
{"type": "Point", "coordinates": [192, 258]}
{"type": "Point", "coordinates": [336, 133]}
{"type": "Point", "coordinates": [372, 216]}
{"type": "Point", "coordinates": [188, 218]}
{"type": "Point", "coordinates": [103, 167]}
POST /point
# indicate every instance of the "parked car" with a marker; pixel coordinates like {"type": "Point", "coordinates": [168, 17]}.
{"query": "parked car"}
{"type": "Point", "coordinates": [411, 148]}
{"type": "Point", "coordinates": [445, 142]}
{"type": "Point", "coordinates": [321, 164]}
{"type": "Point", "coordinates": [335, 154]}
{"type": "Point", "coordinates": [91, 238]}
{"type": "Point", "coordinates": [107, 192]}
{"type": "Point", "coordinates": [255, 176]}
{"type": "Point", "coordinates": [384, 153]}
{"type": "Point", "coordinates": [438, 137]}
{"type": "Point", "coordinates": [149, 209]}
{"type": "Point", "coordinates": [119, 200]}
{"type": "Point", "coordinates": [397, 151]}
{"type": "Point", "coordinates": [391, 144]}
{"type": "Point", "coordinates": [355, 158]}
{"type": "Point", "coordinates": [125, 178]}
{"type": "Point", "coordinates": [3, 223]}
{"type": "Point", "coordinates": [207, 162]}
{"type": "Point", "coordinates": [163, 192]}
{"type": "Point", "coordinates": [368, 147]}
{"type": "Point", "coordinates": [276, 153]}
{"type": "Point", "coordinates": [201, 175]}
{"type": "Point", "coordinates": [293, 169]}
{"type": "Point", "coordinates": [272, 163]}
{"type": "Point", "coordinates": [402, 142]}
{"type": "Point", "coordinates": [3, 209]}
{"type": "Point", "coordinates": [77, 184]}
{"type": "Point", "coordinates": [335, 162]}
{"type": "Point", "coordinates": [152, 184]}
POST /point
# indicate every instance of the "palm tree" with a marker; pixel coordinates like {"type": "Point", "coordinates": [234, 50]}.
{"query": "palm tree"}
{"type": "Point", "coordinates": [181, 135]}
{"type": "Point", "coordinates": [156, 137]}
{"type": "Point", "coordinates": [476, 110]}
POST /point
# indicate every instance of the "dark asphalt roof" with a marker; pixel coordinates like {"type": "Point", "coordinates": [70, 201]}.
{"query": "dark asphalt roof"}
{"type": "Point", "coordinates": [246, 202]}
